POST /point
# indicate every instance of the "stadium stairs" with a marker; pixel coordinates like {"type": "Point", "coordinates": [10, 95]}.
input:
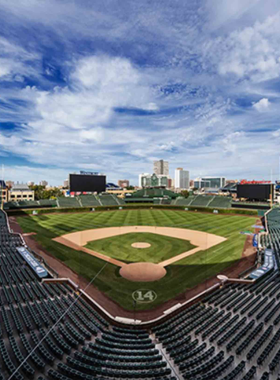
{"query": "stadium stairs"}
{"type": "Point", "coordinates": [232, 333]}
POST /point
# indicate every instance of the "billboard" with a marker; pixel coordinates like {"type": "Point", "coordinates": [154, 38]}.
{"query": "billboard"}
{"type": "Point", "coordinates": [259, 192]}
{"type": "Point", "coordinates": [87, 183]}
{"type": "Point", "coordinates": [33, 263]}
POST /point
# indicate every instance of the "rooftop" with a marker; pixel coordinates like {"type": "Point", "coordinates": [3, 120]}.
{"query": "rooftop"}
{"type": "Point", "coordinates": [20, 186]}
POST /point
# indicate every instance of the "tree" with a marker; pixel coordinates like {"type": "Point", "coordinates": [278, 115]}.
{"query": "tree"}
{"type": "Point", "coordinates": [185, 193]}
{"type": "Point", "coordinates": [41, 192]}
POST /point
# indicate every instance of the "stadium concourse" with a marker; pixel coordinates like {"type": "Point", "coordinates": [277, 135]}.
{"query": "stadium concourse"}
{"type": "Point", "coordinates": [51, 331]}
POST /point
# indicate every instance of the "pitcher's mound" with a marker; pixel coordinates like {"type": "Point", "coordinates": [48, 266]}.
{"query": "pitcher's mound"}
{"type": "Point", "coordinates": [142, 272]}
{"type": "Point", "coordinates": [140, 245]}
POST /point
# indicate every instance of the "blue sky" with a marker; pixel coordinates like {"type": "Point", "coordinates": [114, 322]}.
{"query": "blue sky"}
{"type": "Point", "coordinates": [112, 85]}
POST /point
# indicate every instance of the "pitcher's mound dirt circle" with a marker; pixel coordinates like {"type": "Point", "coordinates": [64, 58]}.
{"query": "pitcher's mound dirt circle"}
{"type": "Point", "coordinates": [140, 245]}
{"type": "Point", "coordinates": [142, 272]}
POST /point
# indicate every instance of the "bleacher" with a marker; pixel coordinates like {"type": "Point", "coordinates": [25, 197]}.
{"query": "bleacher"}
{"type": "Point", "coordinates": [220, 202]}
{"type": "Point", "coordinates": [11, 205]}
{"type": "Point", "coordinates": [48, 202]}
{"type": "Point", "coordinates": [180, 201]}
{"type": "Point", "coordinates": [202, 200]}
{"type": "Point", "coordinates": [108, 200]}
{"type": "Point", "coordinates": [71, 202]}
{"type": "Point", "coordinates": [88, 200]}
{"type": "Point", "coordinates": [30, 204]}
{"type": "Point", "coordinates": [24, 204]}
{"type": "Point", "coordinates": [154, 192]}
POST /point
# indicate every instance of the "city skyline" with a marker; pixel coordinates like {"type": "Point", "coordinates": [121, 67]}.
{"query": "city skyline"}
{"type": "Point", "coordinates": [158, 166]}
{"type": "Point", "coordinates": [85, 86]}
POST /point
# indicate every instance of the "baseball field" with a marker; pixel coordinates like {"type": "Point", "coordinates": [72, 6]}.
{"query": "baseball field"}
{"type": "Point", "coordinates": [180, 274]}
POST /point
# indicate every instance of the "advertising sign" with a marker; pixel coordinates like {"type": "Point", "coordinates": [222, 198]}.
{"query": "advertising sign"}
{"type": "Point", "coordinates": [32, 262]}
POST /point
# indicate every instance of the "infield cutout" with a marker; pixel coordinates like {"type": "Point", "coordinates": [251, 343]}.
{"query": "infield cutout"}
{"type": "Point", "coordinates": [142, 272]}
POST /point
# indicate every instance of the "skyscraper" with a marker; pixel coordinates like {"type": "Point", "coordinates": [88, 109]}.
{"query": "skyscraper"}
{"type": "Point", "coordinates": [182, 179]}
{"type": "Point", "coordinates": [161, 167]}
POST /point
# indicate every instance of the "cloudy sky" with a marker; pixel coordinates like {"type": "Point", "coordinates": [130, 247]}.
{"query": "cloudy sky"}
{"type": "Point", "coordinates": [111, 85]}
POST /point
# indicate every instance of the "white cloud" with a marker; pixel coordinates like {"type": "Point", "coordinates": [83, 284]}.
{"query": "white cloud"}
{"type": "Point", "coordinates": [251, 52]}
{"type": "Point", "coordinates": [167, 147]}
{"type": "Point", "coordinates": [231, 141]}
{"type": "Point", "coordinates": [103, 72]}
{"type": "Point", "coordinates": [5, 67]}
{"type": "Point", "coordinates": [152, 107]}
{"type": "Point", "coordinates": [15, 60]}
{"type": "Point", "coordinates": [262, 105]}
{"type": "Point", "coordinates": [96, 134]}
{"type": "Point", "coordinates": [72, 126]}
{"type": "Point", "coordinates": [276, 133]}
{"type": "Point", "coordinates": [191, 77]}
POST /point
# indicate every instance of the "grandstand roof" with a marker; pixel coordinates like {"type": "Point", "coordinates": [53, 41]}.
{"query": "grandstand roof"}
{"type": "Point", "coordinates": [230, 187]}
{"type": "Point", "coordinates": [111, 185]}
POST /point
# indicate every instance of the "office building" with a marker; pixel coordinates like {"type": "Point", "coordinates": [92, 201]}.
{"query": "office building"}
{"type": "Point", "coordinates": [43, 183]}
{"type": "Point", "coordinates": [153, 180]}
{"type": "Point", "coordinates": [182, 179]}
{"type": "Point", "coordinates": [3, 192]}
{"type": "Point", "coordinates": [21, 192]}
{"type": "Point", "coordinates": [209, 182]}
{"type": "Point", "coordinates": [161, 167]}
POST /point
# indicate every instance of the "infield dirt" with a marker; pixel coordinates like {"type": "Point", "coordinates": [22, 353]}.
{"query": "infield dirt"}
{"type": "Point", "coordinates": [143, 272]}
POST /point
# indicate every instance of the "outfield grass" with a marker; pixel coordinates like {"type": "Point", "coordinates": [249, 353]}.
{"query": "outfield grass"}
{"type": "Point", "coordinates": [181, 275]}
{"type": "Point", "coordinates": [119, 247]}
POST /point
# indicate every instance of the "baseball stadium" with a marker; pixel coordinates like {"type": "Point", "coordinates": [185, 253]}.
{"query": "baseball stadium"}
{"type": "Point", "coordinates": [139, 291]}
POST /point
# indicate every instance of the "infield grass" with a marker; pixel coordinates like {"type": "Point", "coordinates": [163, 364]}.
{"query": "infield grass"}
{"type": "Point", "coordinates": [119, 247]}
{"type": "Point", "coordinates": [180, 276]}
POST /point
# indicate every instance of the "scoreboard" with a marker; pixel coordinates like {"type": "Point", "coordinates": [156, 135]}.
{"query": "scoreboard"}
{"type": "Point", "coordinates": [258, 192]}
{"type": "Point", "coordinates": [87, 182]}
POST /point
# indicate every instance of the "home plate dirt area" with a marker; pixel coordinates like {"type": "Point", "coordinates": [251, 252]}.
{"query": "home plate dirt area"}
{"type": "Point", "coordinates": [141, 271]}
